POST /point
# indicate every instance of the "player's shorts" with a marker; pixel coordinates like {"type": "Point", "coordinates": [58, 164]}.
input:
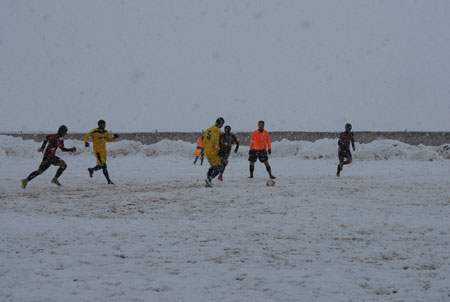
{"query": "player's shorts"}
{"type": "Point", "coordinates": [100, 156]}
{"type": "Point", "coordinates": [342, 154]}
{"type": "Point", "coordinates": [258, 154]}
{"type": "Point", "coordinates": [198, 151]}
{"type": "Point", "coordinates": [46, 162]}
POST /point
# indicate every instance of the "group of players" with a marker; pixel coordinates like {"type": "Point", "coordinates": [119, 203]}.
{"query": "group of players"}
{"type": "Point", "coordinates": [51, 144]}
{"type": "Point", "coordinates": [215, 145]}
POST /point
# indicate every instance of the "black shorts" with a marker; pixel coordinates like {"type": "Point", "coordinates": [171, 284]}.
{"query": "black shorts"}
{"type": "Point", "coordinates": [344, 155]}
{"type": "Point", "coordinates": [46, 163]}
{"type": "Point", "coordinates": [258, 154]}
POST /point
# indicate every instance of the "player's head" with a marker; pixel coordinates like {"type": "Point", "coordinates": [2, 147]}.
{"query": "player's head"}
{"type": "Point", "coordinates": [227, 129]}
{"type": "Point", "coordinates": [219, 122]}
{"type": "Point", "coordinates": [62, 130]}
{"type": "Point", "coordinates": [348, 127]}
{"type": "Point", "coordinates": [101, 124]}
{"type": "Point", "coordinates": [261, 126]}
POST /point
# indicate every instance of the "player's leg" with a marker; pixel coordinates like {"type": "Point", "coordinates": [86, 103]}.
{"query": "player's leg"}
{"type": "Point", "coordinates": [96, 167]}
{"type": "Point", "coordinates": [265, 160]}
{"type": "Point", "coordinates": [202, 157]}
{"type": "Point", "coordinates": [252, 159]}
{"type": "Point", "coordinates": [104, 167]}
{"type": "Point", "coordinates": [341, 156]}
{"type": "Point", "coordinates": [62, 166]}
{"type": "Point", "coordinates": [45, 164]}
{"type": "Point", "coordinates": [349, 159]}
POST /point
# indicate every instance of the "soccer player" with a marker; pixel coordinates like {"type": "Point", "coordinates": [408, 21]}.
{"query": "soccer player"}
{"type": "Point", "coordinates": [259, 142]}
{"type": "Point", "coordinates": [54, 142]}
{"type": "Point", "coordinates": [345, 156]}
{"type": "Point", "coordinates": [211, 143]}
{"type": "Point", "coordinates": [199, 151]}
{"type": "Point", "coordinates": [226, 141]}
{"type": "Point", "coordinates": [99, 138]}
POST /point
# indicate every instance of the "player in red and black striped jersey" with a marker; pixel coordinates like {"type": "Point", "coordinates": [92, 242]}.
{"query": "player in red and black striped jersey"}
{"type": "Point", "coordinates": [226, 141]}
{"type": "Point", "coordinates": [54, 142]}
{"type": "Point", "coordinates": [345, 156]}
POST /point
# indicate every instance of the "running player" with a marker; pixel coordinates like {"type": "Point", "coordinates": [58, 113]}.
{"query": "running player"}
{"type": "Point", "coordinates": [199, 150]}
{"type": "Point", "coordinates": [99, 138]}
{"type": "Point", "coordinates": [345, 156]}
{"type": "Point", "coordinates": [54, 142]}
{"type": "Point", "coordinates": [259, 142]}
{"type": "Point", "coordinates": [226, 141]}
{"type": "Point", "coordinates": [211, 143]}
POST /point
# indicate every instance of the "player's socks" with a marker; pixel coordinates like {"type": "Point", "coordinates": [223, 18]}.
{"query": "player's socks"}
{"type": "Point", "coordinates": [97, 167]}
{"type": "Point", "coordinates": [269, 170]}
{"type": "Point", "coordinates": [106, 173]}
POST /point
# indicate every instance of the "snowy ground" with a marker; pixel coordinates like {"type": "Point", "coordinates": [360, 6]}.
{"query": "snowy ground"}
{"type": "Point", "coordinates": [378, 233]}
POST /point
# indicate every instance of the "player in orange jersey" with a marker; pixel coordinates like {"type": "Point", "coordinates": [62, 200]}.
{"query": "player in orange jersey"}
{"type": "Point", "coordinates": [259, 142]}
{"type": "Point", "coordinates": [199, 151]}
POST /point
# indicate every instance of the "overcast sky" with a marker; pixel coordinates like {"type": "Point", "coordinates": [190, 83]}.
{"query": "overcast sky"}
{"type": "Point", "coordinates": [177, 65]}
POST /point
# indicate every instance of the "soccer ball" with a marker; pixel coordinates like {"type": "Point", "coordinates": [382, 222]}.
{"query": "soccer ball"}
{"type": "Point", "coordinates": [270, 183]}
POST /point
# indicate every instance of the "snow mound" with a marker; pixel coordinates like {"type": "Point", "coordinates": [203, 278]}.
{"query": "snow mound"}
{"type": "Point", "coordinates": [11, 147]}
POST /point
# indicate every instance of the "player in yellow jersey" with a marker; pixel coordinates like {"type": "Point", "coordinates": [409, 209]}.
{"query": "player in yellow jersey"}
{"type": "Point", "coordinates": [211, 144]}
{"type": "Point", "coordinates": [99, 138]}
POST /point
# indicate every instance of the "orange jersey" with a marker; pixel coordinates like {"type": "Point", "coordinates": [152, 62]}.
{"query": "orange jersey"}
{"type": "Point", "coordinates": [260, 140]}
{"type": "Point", "coordinates": [199, 142]}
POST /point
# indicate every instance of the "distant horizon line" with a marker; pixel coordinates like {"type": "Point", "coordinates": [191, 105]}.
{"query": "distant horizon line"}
{"type": "Point", "coordinates": [305, 131]}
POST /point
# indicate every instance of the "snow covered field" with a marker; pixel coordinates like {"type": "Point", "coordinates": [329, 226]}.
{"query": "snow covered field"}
{"type": "Point", "coordinates": [378, 233]}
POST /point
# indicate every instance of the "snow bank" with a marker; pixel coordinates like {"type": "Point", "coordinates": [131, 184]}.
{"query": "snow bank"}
{"type": "Point", "coordinates": [11, 147]}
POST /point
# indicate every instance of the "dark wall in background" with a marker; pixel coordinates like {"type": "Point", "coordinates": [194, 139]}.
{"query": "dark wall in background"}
{"type": "Point", "coordinates": [412, 138]}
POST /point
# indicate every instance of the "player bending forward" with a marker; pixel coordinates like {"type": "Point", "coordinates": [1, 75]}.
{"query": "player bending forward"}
{"type": "Point", "coordinates": [54, 142]}
{"type": "Point", "coordinates": [259, 142]}
{"type": "Point", "coordinates": [226, 141]}
{"type": "Point", "coordinates": [345, 156]}
{"type": "Point", "coordinates": [211, 144]}
{"type": "Point", "coordinates": [99, 138]}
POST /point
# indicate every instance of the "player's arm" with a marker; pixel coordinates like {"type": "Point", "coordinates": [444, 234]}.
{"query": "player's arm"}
{"type": "Point", "coordinates": [86, 138]}
{"type": "Point", "coordinates": [237, 144]}
{"type": "Point", "coordinates": [269, 143]}
{"type": "Point", "coordinates": [353, 142]}
{"type": "Point", "coordinates": [64, 149]}
{"type": "Point", "coordinates": [41, 149]}
{"type": "Point", "coordinates": [110, 139]}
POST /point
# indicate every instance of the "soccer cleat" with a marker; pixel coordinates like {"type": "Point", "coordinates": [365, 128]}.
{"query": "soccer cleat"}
{"type": "Point", "coordinates": [24, 183]}
{"type": "Point", "coordinates": [208, 183]}
{"type": "Point", "coordinates": [272, 177]}
{"type": "Point", "coordinates": [251, 176]}
{"type": "Point", "coordinates": [220, 178]}
{"type": "Point", "coordinates": [56, 182]}
{"type": "Point", "coordinates": [91, 172]}
{"type": "Point", "coordinates": [110, 183]}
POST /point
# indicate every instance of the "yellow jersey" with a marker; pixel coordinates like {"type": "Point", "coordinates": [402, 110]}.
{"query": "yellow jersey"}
{"type": "Point", "coordinates": [211, 139]}
{"type": "Point", "coordinates": [99, 139]}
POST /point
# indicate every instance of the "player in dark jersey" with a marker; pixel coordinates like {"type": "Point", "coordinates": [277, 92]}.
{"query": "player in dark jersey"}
{"type": "Point", "coordinates": [226, 141]}
{"type": "Point", "coordinates": [54, 142]}
{"type": "Point", "coordinates": [345, 156]}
